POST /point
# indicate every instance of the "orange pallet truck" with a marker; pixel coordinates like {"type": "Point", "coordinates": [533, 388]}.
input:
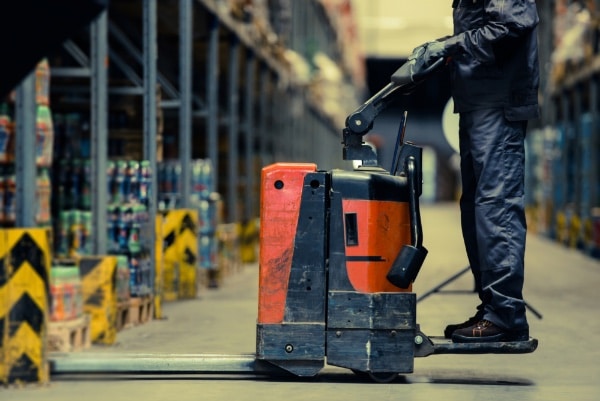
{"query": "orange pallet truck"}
{"type": "Point", "coordinates": [339, 251]}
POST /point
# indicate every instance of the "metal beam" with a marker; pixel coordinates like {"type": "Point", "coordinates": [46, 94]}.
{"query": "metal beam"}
{"type": "Point", "coordinates": [264, 113]}
{"type": "Point", "coordinates": [99, 133]}
{"type": "Point", "coordinates": [233, 105]}
{"type": "Point", "coordinates": [165, 84]}
{"type": "Point", "coordinates": [185, 90]}
{"type": "Point", "coordinates": [249, 135]}
{"type": "Point", "coordinates": [212, 93]}
{"type": "Point", "coordinates": [76, 53]}
{"type": "Point", "coordinates": [25, 163]}
{"type": "Point", "coordinates": [150, 114]}
{"type": "Point", "coordinates": [129, 72]}
{"type": "Point", "coordinates": [77, 72]}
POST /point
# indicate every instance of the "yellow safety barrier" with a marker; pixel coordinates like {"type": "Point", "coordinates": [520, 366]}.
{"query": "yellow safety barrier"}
{"type": "Point", "coordinates": [187, 244]}
{"type": "Point", "coordinates": [158, 268]}
{"type": "Point", "coordinates": [249, 241]}
{"type": "Point", "coordinates": [170, 276]}
{"type": "Point", "coordinates": [24, 305]}
{"type": "Point", "coordinates": [180, 254]}
{"type": "Point", "coordinates": [98, 277]}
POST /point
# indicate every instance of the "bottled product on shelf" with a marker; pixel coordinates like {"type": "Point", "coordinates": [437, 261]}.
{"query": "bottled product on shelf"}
{"type": "Point", "coordinates": [42, 83]}
{"type": "Point", "coordinates": [10, 195]}
{"type": "Point", "coordinates": [6, 133]}
{"type": "Point", "coordinates": [122, 280]}
{"type": "Point", "coordinates": [129, 189]}
{"type": "Point", "coordinates": [44, 136]}
{"type": "Point", "coordinates": [203, 198]}
{"type": "Point", "coordinates": [43, 190]}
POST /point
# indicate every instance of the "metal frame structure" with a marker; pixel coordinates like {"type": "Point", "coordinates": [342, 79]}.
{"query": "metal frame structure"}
{"type": "Point", "coordinates": [275, 120]}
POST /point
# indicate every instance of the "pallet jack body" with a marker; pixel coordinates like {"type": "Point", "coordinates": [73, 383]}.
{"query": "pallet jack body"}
{"type": "Point", "coordinates": [339, 251]}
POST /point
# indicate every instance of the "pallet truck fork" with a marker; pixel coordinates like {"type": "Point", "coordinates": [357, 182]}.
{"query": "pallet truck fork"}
{"type": "Point", "coordinates": [339, 251]}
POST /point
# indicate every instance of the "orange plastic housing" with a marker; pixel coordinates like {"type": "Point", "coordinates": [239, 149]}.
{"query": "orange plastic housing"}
{"type": "Point", "coordinates": [383, 228]}
{"type": "Point", "coordinates": [281, 195]}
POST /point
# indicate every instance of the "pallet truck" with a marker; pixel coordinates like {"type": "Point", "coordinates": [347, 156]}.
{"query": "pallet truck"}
{"type": "Point", "coordinates": [339, 251]}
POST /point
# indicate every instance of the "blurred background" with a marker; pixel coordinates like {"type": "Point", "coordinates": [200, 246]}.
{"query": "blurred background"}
{"type": "Point", "coordinates": [141, 119]}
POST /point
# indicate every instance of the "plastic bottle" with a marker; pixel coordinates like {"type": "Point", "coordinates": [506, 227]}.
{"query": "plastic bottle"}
{"type": "Point", "coordinates": [10, 195]}
{"type": "Point", "coordinates": [76, 232]}
{"type": "Point", "coordinates": [145, 182]}
{"type": "Point", "coordinates": [42, 83]}
{"type": "Point", "coordinates": [43, 211]}
{"type": "Point", "coordinates": [5, 133]}
{"type": "Point", "coordinates": [207, 177]}
{"type": "Point", "coordinates": [57, 311]}
{"type": "Point", "coordinates": [112, 228]}
{"type": "Point", "coordinates": [133, 178]}
{"type": "Point", "coordinates": [121, 182]}
{"type": "Point", "coordinates": [44, 136]}
{"type": "Point", "coordinates": [63, 240]}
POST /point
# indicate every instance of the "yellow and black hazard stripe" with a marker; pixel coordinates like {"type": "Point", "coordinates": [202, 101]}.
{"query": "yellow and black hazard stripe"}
{"type": "Point", "coordinates": [24, 303]}
{"type": "Point", "coordinates": [170, 260]}
{"type": "Point", "coordinates": [98, 287]}
{"type": "Point", "coordinates": [187, 244]}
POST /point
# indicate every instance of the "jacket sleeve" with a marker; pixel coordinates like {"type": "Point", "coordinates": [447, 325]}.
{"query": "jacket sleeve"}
{"type": "Point", "coordinates": [504, 21]}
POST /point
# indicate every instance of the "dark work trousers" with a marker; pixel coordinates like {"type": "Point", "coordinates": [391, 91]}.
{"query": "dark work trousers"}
{"type": "Point", "coordinates": [492, 212]}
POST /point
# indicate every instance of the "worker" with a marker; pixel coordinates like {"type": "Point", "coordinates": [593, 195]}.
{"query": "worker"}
{"type": "Point", "coordinates": [494, 72]}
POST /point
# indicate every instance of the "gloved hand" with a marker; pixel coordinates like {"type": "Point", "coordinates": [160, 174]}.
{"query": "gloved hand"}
{"type": "Point", "coordinates": [416, 67]}
{"type": "Point", "coordinates": [429, 52]}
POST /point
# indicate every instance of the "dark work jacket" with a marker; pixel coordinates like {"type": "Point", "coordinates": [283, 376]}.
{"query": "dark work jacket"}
{"type": "Point", "coordinates": [495, 57]}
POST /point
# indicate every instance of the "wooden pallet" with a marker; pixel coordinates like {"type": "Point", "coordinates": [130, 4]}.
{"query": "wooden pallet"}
{"type": "Point", "coordinates": [69, 335]}
{"type": "Point", "coordinates": [141, 310]}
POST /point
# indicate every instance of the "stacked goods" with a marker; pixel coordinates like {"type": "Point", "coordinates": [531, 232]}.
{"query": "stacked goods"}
{"type": "Point", "coordinates": [208, 203]}
{"type": "Point", "coordinates": [203, 198]}
{"type": "Point", "coordinates": [73, 229]}
{"type": "Point", "coordinates": [43, 144]}
{"type": "Point", "coordinates": [69, 327]}
{"type": "Point", "coordinates": [128, 191]}
{"type": "Point", "coordinates": [43, 154]}
{"type": "Point", "coordinates": [129, 188]}
{"type": "Point", "coordinates": [7, 173]}
{"type": "Point", "coordinates": [169, 176]}
{"type": "Point", "coordinates": [65, 288]}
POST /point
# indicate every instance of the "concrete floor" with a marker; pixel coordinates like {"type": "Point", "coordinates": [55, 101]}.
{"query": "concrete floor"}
{"type": "Point", "coordinates": [561, 284]}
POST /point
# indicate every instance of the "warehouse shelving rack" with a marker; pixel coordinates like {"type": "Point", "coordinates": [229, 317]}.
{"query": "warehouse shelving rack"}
{"type": "Point", "coordinates": [576, 186]}
{"type": "Point", "coordinates": [248, 107]}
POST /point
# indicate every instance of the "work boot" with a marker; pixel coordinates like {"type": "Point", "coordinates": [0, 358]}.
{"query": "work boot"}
{"type": "Point", "coordinates": [451, 328]}
{"type": "Point", "coordinates": [486, 331]}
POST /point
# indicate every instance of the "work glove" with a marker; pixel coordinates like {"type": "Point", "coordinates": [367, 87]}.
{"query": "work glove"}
{"type": "Point", "coordinates": [416, 67]}
{"type": "Point", "coordinates": [430, 52]}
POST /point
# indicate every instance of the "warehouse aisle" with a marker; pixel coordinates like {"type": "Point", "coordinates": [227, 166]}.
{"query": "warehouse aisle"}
{"type": "Point", "coordinates": [560, 283]}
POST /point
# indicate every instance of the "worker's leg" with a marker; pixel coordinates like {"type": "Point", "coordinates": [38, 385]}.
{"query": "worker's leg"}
{"type": "Point", "coordinates": [496, 147]}
{"type": "Point", "coordinates": [467, 206]}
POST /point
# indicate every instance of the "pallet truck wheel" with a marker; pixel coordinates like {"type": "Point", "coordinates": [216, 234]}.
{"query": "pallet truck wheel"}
{"type": "Point", "coordinates": [377, 377]}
